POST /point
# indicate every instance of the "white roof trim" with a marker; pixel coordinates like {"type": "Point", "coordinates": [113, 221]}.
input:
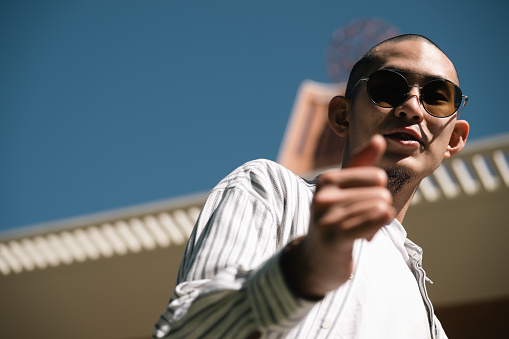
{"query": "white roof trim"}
{"type": "Point", "coordinates": [131, 230]}
{"type": "Point", "coordinates": [483, 166]}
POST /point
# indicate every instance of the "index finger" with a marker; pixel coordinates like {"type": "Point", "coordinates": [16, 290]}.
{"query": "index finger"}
{"type": "Point", "coordinates": [353, 177]}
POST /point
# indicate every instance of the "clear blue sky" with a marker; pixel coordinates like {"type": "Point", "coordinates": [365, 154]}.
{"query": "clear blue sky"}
{"type": "Point", "coordinates": [107, 104]}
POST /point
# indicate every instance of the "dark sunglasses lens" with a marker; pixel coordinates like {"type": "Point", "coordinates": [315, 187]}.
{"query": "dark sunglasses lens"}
{"type": "Point", "coordinates": [387, 89]}
{"type": "Point", "coordinates": [441, 98]}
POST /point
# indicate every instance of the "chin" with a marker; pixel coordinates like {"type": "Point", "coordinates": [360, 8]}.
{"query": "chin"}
{"type": "Point", "coordinates": [414, 167]}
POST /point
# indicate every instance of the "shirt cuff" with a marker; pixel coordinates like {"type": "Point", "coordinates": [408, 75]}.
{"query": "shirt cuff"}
{"type": "Point", "coordinates": [275, 306]}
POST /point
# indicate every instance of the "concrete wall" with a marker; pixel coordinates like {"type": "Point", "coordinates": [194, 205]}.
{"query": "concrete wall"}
{"type": "Point", "coordinates": [119, 297]}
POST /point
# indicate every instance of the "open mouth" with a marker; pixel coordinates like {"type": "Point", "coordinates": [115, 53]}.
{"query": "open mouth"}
{"type": "Point", "coordinates": [404, 137]}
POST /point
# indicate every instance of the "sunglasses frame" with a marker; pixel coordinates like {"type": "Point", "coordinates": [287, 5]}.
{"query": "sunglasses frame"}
{"type": "Point", "coordinates": [460, 107]}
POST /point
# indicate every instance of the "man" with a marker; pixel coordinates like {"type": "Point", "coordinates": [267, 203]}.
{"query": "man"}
{"type": "Point", "coordinates": [275, 256]}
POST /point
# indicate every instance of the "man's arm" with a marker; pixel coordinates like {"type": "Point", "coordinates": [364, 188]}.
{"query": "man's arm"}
{"type": "Point", "coordinates": [217, 297]}
{"type": "Point", "coordinates": [230, 283]}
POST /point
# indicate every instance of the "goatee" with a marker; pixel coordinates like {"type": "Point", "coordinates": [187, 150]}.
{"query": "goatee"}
{"type": "Point", "coordinates": [398, 178]}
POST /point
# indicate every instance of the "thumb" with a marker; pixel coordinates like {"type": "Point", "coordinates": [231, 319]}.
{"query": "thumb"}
{"type": "Point", "coordinates": [368, 155]}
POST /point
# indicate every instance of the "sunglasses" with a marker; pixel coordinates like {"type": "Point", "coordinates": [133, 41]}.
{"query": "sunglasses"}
{"type": "Point", "coordinates": [387, 88]}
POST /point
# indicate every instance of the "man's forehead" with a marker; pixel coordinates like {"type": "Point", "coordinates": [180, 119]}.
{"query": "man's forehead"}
{"type": "Point", "coordinates": [417, 56]}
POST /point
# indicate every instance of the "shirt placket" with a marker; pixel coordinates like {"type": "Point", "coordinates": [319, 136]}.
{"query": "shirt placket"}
{"type": "Point", "coordinates": [415, 254]}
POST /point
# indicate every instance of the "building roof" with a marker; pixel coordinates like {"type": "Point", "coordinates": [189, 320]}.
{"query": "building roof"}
{"type": "Point", "coordinates": [101, 235]}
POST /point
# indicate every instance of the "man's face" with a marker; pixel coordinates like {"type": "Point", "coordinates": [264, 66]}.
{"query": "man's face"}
{"type": "Point", "coordinates": [416, 141]}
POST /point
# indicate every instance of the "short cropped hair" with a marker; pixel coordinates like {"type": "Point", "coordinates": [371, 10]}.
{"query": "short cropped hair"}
{"type": "Point", "coordinates": [371, 61]}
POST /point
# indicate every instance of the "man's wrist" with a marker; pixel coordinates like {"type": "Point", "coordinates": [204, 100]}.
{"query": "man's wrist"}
{"type": "Point", "coordinates": [296, 271]}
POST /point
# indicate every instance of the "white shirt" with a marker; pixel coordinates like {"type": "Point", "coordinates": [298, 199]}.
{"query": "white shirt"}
{"type": "Point", "coordinates": [230, 283]}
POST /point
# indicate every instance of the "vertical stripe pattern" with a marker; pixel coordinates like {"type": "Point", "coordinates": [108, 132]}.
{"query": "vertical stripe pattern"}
{"type": "Point", "coordinates": [230, 284]}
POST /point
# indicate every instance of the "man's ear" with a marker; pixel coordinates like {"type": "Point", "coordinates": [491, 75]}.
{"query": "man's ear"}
{"type": "Point", "coordinates": [339, 115]}
{"type": "Point", "coordinates": [458, 138]}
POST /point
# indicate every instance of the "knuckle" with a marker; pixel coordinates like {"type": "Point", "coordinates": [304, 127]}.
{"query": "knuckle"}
{"type": "Point", "coordinates": [380, 207]}
{"type": "Point", "coordinates": [386, 195]}
{"type": "Point", "coordinates": [381, 176]}
{"type": "Point", "coordinates": [323, 195]}
{"type": "Point", "coordinates": [327, 177]}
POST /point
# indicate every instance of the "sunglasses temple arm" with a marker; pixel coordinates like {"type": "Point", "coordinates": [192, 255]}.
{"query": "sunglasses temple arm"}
{"type": "Point", "coordinates": [463, 106]}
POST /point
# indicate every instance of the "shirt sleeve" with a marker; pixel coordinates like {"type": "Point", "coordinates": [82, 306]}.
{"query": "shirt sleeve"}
{"type": "Point", "coordinates": [230, 283]}
{"type": "Point", "coordinates": [440, 333]}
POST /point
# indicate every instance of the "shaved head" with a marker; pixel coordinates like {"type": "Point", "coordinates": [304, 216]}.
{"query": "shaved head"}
{"type": "Point", "coordinates": [372, 60]}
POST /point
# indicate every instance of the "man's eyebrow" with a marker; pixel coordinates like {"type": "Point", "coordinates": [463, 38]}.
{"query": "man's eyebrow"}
{"type": "Point", "coordinates": [410, 72]}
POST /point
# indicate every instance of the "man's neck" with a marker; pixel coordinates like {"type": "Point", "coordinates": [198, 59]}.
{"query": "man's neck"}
{"type": "Point", "coordinates": [401, 201]}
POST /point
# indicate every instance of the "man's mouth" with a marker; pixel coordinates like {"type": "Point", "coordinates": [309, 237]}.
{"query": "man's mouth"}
{"type": "Point", "coordinates": [405, 137]}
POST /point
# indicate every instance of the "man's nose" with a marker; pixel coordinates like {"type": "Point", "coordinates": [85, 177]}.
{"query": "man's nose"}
{"type": "Point", "coordinates": [411, 108]}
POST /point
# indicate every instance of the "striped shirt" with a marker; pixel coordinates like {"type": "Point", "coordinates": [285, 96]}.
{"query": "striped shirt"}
{"type": "Point", "coordinates": [230, 284]}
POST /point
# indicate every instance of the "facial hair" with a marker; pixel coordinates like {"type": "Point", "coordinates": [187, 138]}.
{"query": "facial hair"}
{"type": "Point", "coordinates": [398, 178]}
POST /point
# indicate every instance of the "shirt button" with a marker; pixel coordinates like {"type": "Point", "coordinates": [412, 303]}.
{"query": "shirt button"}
{"type": "Point", "coordinates": [326, 325]}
